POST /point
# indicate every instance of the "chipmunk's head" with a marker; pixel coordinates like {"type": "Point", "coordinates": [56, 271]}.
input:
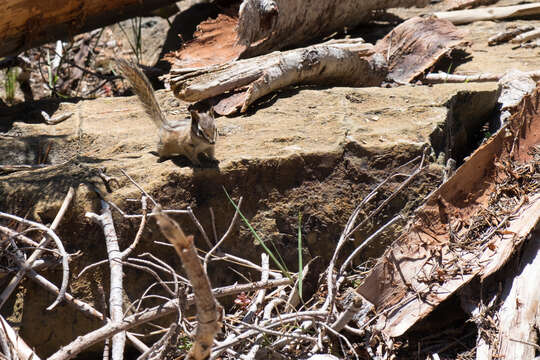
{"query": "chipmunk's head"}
{"type": "Point", "coordinates": [203, 125]}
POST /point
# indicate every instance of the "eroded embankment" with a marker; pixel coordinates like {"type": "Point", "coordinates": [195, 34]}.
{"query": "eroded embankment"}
{"type": "Point", "coordinates": [314, 152]}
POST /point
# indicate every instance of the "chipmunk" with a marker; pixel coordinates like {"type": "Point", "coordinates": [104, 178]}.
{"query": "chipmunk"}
{"type": "Point", "coordinates": [175, 137]}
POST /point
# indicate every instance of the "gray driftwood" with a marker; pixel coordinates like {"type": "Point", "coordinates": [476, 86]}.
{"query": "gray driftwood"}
{"type": "Point", "coordinates": [337, 62]}
{"type": "Point", "coordinates": [400, 56]}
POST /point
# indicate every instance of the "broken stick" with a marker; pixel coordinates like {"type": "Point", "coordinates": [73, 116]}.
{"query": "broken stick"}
{"type": "Point", "coordinates": [208, 309]}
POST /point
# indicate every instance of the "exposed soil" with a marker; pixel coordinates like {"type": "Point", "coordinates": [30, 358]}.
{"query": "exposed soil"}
{"type": "Point", "coordinates": [305, 150]}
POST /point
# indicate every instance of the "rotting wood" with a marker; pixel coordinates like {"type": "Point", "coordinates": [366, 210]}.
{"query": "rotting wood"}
{"type": "Point", "coordinates": [513, 87]}
{"type": "Point", "coordinates": [28, 23]}
{"type": "Point", "coordinates": [491, 13]}
{"type": "Point", "coordinates": [266, 25]}
{"type": "Point", "coordinates": [436, 256]}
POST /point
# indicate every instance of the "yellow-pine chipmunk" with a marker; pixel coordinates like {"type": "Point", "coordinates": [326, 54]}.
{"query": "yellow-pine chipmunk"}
{"type": "Point", "coordinates": [175, 137]}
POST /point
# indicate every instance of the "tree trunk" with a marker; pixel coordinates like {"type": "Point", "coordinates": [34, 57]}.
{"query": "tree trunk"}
{"type": "Point", "coordinates": [28, 23]}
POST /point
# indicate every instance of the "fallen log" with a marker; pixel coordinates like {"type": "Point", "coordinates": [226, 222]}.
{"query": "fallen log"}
{"type": "Point", "coordinates": [409, 50]}
{"type": "Point", "coordinates": [247, 80]}
{"type": "Point", "coordinates": [467, 228]}
{"type": "Point", "coordinates": [492, 13]}
{"type": "Point", "coordinates": [466, 4]}
{"type": "Point", "coordinates": [266, 25]}
{"type": "Point", "coordinates": [443, 78]}
{"type": "Point", "coordinates": [28, 23]}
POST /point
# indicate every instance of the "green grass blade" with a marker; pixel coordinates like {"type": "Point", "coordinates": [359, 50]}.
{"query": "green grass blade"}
{"type": "Point", "coordinates": [300, 265]}
{"type": "Point", "coordinates": [268, 251]}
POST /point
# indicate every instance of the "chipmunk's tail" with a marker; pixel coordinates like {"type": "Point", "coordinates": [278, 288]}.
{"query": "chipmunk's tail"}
{"type": "Point", "coordinates": [141, 86]}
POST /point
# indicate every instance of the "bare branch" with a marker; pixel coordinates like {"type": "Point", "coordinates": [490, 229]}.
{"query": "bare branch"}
{"type": "Point", "coordinates": [208, 310]}
{"type": "Point", "coordinates": [115, 264]}
{"type": "Point", "coordinates": [44, 242]}
{"type": "Point", "coordinates": [22, 350]}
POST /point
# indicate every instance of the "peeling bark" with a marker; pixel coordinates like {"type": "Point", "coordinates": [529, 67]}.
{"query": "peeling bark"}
{"type": "Point", "coordinates": [416, 45]}
{"type": "Point", "coordinates": [433, 258]}
{"type": "Point", "coordinates": [266, 25]}
{"type": "Point", "coordinates": [410, 49]}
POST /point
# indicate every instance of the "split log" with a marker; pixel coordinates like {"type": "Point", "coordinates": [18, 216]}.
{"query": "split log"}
{"type": "Point", "coordinates": [28, 23]}
{"type": "Point", "coordinates": [439, 254]}
{"type": "Point", "coordinates": [493, 13]}
{"type": "Point", "coordinates": [266, 25]}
